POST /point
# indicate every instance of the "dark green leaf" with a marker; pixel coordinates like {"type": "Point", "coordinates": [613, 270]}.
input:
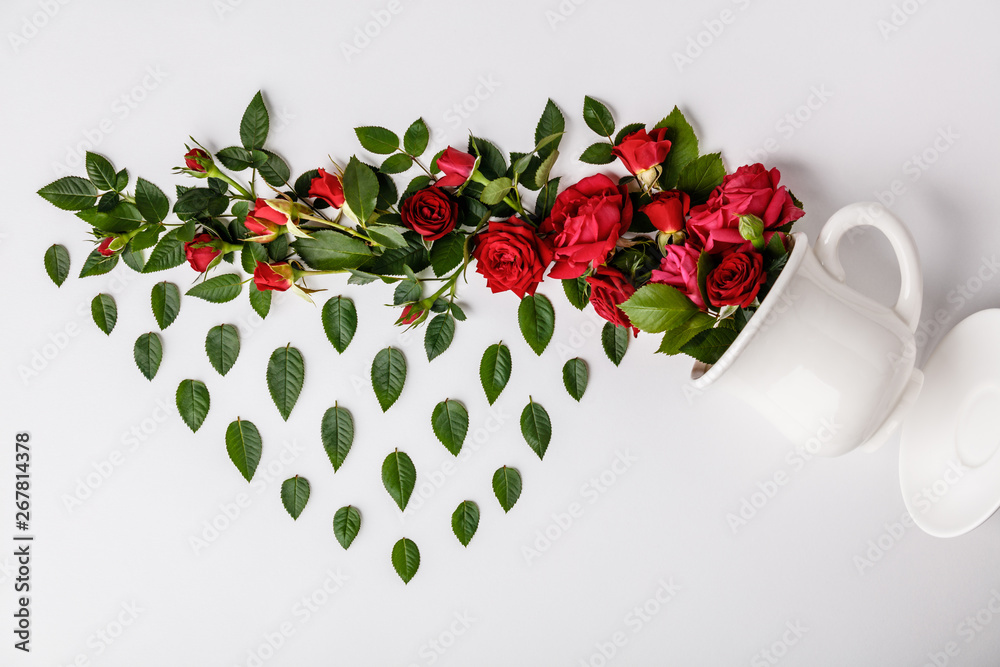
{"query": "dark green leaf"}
{"type": "Point", "coordinates": [337, 434]}
{"type": "Point", "coordinates": [599, 153]}
{"type": "Point", "coordinates": [121, 180]}
{"type": "Point", "coordinates": [148, 352]}
{"type": "Point", "coordinates": [683, 147]}
{"type": "Point", "coordinates": [399, 477]}
{"type": "Point", "coordinates": [223, 346]}
{"type": "Point", "coordinates": [597, 117]}
{"type": "Point", "coordinates": [166, 301]}
{"type": "Point", "coordinates": [133, 258]}
{"type": "Point", "coordinates": [396, 164]}
{"type": "Point", "coordinates": [57, 263]}
{"type": "Point", "coordinates": [285, 375]}
{"type": "Point", "coordinates": [330, 250]}
{"type": "Point", "coordinates": [416, 137]}
{"type": "Point", "coordinates": [577, 291]}
{"type": "Point", "coordinates": [546, 199]}
{"type": "Point", "coordinates": [70, 193]}
{"type": "Point", "coordinates": [361, 189]}
{"type": "Point", "coordinates": [447, 253]}
{"type": "Point", "coordinates": [377, 139]}
{"type": "Point", "coordinates": [255, 124]}
{"type": "Point", "coordinates": [389, 236]}
{"type": "Point", "coordinates": [656, 307]}
{"type": "Point", "coordinates": [615, 342]}
{"type": "Point", "coordinates": [450, 421]}
{"type": "Point", "coordinates": [244, 447]}
{"type": "Point", "coordinates": [150, 200]}
{"type": "Point", "coordinates": [439, 334]}
{"type": "Point", "coordinates": [105, 312]}
{"type": "Point", "coordinates": [494, 370]}
{"type": "Point", "coordinates": [407, 291]}
{"type": "Point", "coordinates": [340, 321]}
{"type": "Point", "coordinates": [235, 158]}
{"type": "Point", "coordinates": [388, 376]}
{"type": "Point", "coordinates": [552, 122]}
{"type": "Point", "coordinates": [260, 300]}
{"type": "Point", "coordinates": [700, 176]}
{"type": "Point", "coordinates": [251, 255]}
{"type": "Point", "coordinates": [507, 487]}
{"type": "Point", "coordinates": [101, 172]}
{"type": "Point", "coordinates": [275, 171]}
{"type": "Point", "coordinates": [536, 318]}
{"type": "Point", "coordinates": [492, 164]}
{"type": "Point", "coordinates": [575, 377]}
{"type": "Point", "coordinates": [675, 339]}
{"type": "Point", "coordinates": [219, 289]}
{"type": "Point", "coordinates": [168, 253]}
{"type": "Point", "coordinates": [392, 261]}
{"type": "Point", "coordinates": [465, 521]}
{"type": "Point", "coordinates": [295, 495]}
{"type": "Point", "coordinates": [97, 264]}
{"type": "Point", "coordinates": [192, 402]}
{"type": "Point", "coordinates": [405, 559]}
{"type": "Point", "coordinates": [709, 345]}
{"type": "Point", "coordinates": [536, 427]}
{"type": "Point", "coordinates": [346, 525]}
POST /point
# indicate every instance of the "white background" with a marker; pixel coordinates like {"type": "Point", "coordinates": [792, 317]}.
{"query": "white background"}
{"type": "Point", "coordinates": [800, 561]}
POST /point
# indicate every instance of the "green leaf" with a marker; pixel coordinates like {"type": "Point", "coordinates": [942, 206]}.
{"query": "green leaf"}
{"type": "Point", "coordinates": [575, 377]}
{"type": "Point", "coordinates": [752, 229]}
{"type": "Point", "coordinates": [675, 339]}
{"type": "Point", "coordinates": [133, 258]}
{"type": "Point", "coordinates": [577, 291]}
{"type": "Point", "coordinates": [235, 158]}
{"type": "Point", "coordinates": [329, 250]}
{"type": "Point", "coordinates": [121, 180]}
{"type": "Point", "coordinates": [388, 376]}
{"type": "Point", "coordinates": [223, 346]}
{"type": "Point", "coordinates": [599, 153]}
{"type": "Point", "coordinates": [150, 200]}
{"type": "Point", "coordinates": [389, 236]}
{"type": "Point", "coordinates": [542, 175]}
{"type": "Point", "coordinates": [655, 308]}
{"type": "Point", "coordinates": [615, 342]}
{"type": "Point", "coordinates": [295, 495]}
{"type": "Point", "coordinates": [251, 255]}
{"type": "Point", "coordinates": [492, 163]}
{"type": "Point", "coordinates": [507, 487]}
{"type": "Point", "coordinates": [101, 172]}
{"type": "Point", "coordinates": [244, 447]}
{"type": "Point", "coordinates": [57, 263]}
{"type": "Point", "coordinates": [465, 521]}
{"type": "Point", "coordinates": [551, 122]}
{"type": "Point", "coordinates": [396, 164]}
{"type": "Point", "coordinates": [260, 301]}
{"type": "Point", "coordinates": [407, 291]}
{"type": "Point", "coordinates": [346, 525]}
{"type": "Point", "coordinates": [192, 403]}
{"type": "Point", "coordinates": [275, 171]}
{"type": "Point", "coordinates": [168, 253]}
{"type": "Point", "coordinates": [450, 421]}
{"type": "Point", "coordinates": [546, 199]}
{"type": "Point", "coordinates": [360, 189]}
{"type": "Point", "coordinates": [447, 253]}
{"type": "Point", "coordinates": [105, 312]}
{"type": "Point", "coordinates": [537, 320]}
{"type": "Point", "coordinates": [285, 375]}
{"type": "Point", "coordinates": [377, 139]}
{"type": "Point", "coordinates": [700, 176]}
{"type": "Point", "coordinates": [340, 321]}
{"type": "Point", "coordinates": [708, 346]}
{"type": "Point", "coordinates": [255, 124]}
{"type": "Point", "coordinates": [337, 434]}
{"type": "Point", "coordinates": [536, 427]}
{"type": "Point", "coordinates": [439, 334]}
{"type": "Point", "coordinates": [495, 191]}
{"type": "Point", "coordinates": [219, 289]}
{"type": "Point", "coordinates": [97, 264]}
{"type": "Point", "coordinates": [683, 147]}
{"type": "Point", "coordinates": [166, 302]}
{"type": "Point", "coordinates": [494, 370]}
{"type": "Point", "coordinates": [399, 476]}
{"type": "Point", "coordinates": [405, 559]}
{"type": "Point", "coordinates": [416, 137]}
{"type": "Point", "coordinates": [597, 117]}
{"type": "Point", "coordinates": [393, 260]}
{"type": "Point", "coordinates": [148, 352]}
{"type": "Point", "coordinates": [70, 193]}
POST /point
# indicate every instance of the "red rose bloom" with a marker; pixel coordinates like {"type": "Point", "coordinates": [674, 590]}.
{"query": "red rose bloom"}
{"type": "Point", "coordinates": [328, 188]}
{"type": "Point", "coordinates": [103, 248]}
{"type": "Point", "coordinates": [195, 159]}
{"type": "Point", "coordinates": [640, 151]}
{"type": "Point", "coordinates": [511, 257]}
{"type": "Point", "coordinates": [430, 213]}
{"type": "Point", "coordinates": [277, 277]}
{"type": "Point", "coordinates": [457, 167]}
{"type": "Point", "coordinates": [679, 268]}
{"type": "Point", "coordinates": [264, 220]}
{"type": "Point", "coordinates": [736, 280]}
{"type": "Point", "coordinates": [608, 288]}
{"type": "Point", "coordinates": [200, 252]}
{"type": "Point", "coordinates": [585, 224]}
{"type": "Point", "coordinates": [667, 210]}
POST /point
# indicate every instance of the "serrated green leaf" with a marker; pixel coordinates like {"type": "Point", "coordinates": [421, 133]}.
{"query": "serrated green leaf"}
{"type": "Point", "coordinates": [150, 200]}
{"type": "Point", "coordinates": [166, 302]}
{"type": "Point", "coordinates": [105, 312]}
{"type": "Point", "coordinates": [494, 370]}
{"type": "Point", "coordinates": [615, 341]}
{"type": "Point", "coordinates": [361, 189]}
{"type": "Point", "coordinates": [121, 180]}
{"type": "Point", "coordinates": [599, 153]}
{"type": "Point", "coordinates": [546, 199]}
{"type": "Point", "coordinates": [388, 236]}
{"type": "Point", "coordinates": [101, 172]}
{"type": "Point", "coordinates": [393, 260]}
{"type": "Point", "coordinates": [251, 255]}
{"type": "Point", "coordinates": [542, 175]}
{"type": "Point", "coordinates": [235, 158]}
{"type": "Point", "coordinates": [399, 476]}
{"type": "Point", "coordinates": [551, 122]}
{"type": "Point", "coordinates": [396, 164]}
{"type": "Point", "coordinates": [97, 264]}
{"type": "Point", "coordinates": [709, 345]}
{"type": "Point", "coordinates": [219, 289]}
{"type": "Point", "coordinates": [328, 250]}
{"type": "Point", "coordinates": [244, 446]}
{"type": "Point", "coordinates": [492, 163]}
{"type": "Point", "coordinates": [405, 559]}
{"type": "Point", "coordinates": [57, 263]}
{"type": "Point", "coordinates": [656, 307]}
{"type": "Point", "coordinates": [70, 193]}
{"type": "Point", "coordinates": [407, 291]}
{"type": "Point", "coordinates": [222, 344]}
{"type": "Point", "coordinates": [536, 427]}
{"type": "Point", "coordinates": [346, 525]}
{"type": "Point", "coordinates": [450, 421]}
{"type": "Point", "coordinates": [683, 147]}
{"type": "Point", "coordinates": [495, 191]}
{"type": "Point", "coordinates": [260, 301]}
{"type": "Point", "coordinates": [168, 253]}
{"type": "Point", "coordinates": [133, 258]}
{"type": "Point", "coordinates": [447, 253]}
{"type": "Point", "coordinates": [285, 375]}
{"type": "Point", "coordinates": [275, 171]}
{"type": "Point", "coordinates": [465, 521]}
{"type": "Point", "coordinates": [577, 291]}
{"type": "Point", "coordinates": [337, 435]}
{"type": "Point", "coordinates": [537, 320]}
{"type": "Point", "coordinates": [192, 403]}
{"type": "Point", "coordinates": [377, 139]}
{"type": "Point", "coordinates": [597, 117]}
{"type": "Point", "coordinates": [295, 495]}
{"type": "Point", "coordinates": [255, 124]}
{"type": "Point", "coordinates": [675, 339]}
{"type": "Point", "coordinates": [388, 376]}
{"type": "Point", "coordinates": [507, 487]}
{"type": "Point", "coordinates": [700, 176]}
{"type": "Point", "coordinates": [416, 137]}
{"type": "Point", "coordinates": [148, 352]}
{"type": "Point", "coordinates": [575, 377]}
{"type": "Point", "coordinates": [340, 321]}
{"type": "Point", "coordinates": [439, 334]}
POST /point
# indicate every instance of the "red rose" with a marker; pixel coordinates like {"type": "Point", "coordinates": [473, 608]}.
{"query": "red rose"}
{"type": "Point", "coordinates": [264, 220]}
{"type": "Point", "coordinates": [196, 159]}
{"type": "Point", "coordinates": [103, 248]}
{"type": "Point", "coordinates": [457, 167]}
{"type": "Point", "coordinates": [586, 223]}
{"type": "Point", "coordinates": [200, 252]}
{"type": "Point", "coordinates": [277, 277]}
{"type": "Point", "coordinates": [679, 268]}
{"type": "Point", "coordinates": [640, 151]}
{"type": "Point", "coordinates": [667, 210]}
{"type": "Point", "coordinates": [736, 280]}
{"type": "Point", "coordinates": [608, 288]}
{"type": "Point", "coordinates": [511, 257]}
{"type": "Point", "coordinates": [430, 213]}
{"type": "Point", "coordinates": [328, 188]}
{"type": "Point", "coordinates": [410, 314]}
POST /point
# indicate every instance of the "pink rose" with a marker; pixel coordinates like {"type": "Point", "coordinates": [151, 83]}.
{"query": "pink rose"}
{"type": "Point", "coordinates": [679, 268]}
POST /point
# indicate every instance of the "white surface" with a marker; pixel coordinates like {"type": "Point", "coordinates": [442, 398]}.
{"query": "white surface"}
{"type": "Point", "coordinates": [801, 559]}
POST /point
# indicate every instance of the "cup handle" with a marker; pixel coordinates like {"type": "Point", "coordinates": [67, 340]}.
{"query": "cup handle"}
{"type": "Point", "coordinates": [911, 289]}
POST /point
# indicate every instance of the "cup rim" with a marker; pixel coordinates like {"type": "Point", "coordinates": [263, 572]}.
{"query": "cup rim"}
{"type": "Point", "coordinates": [702, 374]}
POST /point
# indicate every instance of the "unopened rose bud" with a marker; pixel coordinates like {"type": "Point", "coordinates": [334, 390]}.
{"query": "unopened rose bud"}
{"type": "Point", "coordinates": [198, 160]}
{"type": "Point", "coordinates": [457, 167]}
{"type": "Point", "coordinates": [264, 222]}
{"type": "Point", "coordinates": [411, 313]}
{"type": "Point", "coordinates": [104, 249]}
{"type": "Point", "coordinates": [201, 251]}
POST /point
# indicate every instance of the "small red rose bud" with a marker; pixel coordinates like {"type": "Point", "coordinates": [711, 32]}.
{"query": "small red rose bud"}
{"type": "Point", "coordinates": [198, 160]}
{"type": "Point", "coordinates": [277, 277]}
{"type": "Point", "coordinates": [104, 249]}
{"type": "Point", "coordinates": [411, 313]}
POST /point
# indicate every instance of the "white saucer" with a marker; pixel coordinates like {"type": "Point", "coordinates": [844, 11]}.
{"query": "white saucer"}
{"type": "Point", "coordinates": [949, 466]}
